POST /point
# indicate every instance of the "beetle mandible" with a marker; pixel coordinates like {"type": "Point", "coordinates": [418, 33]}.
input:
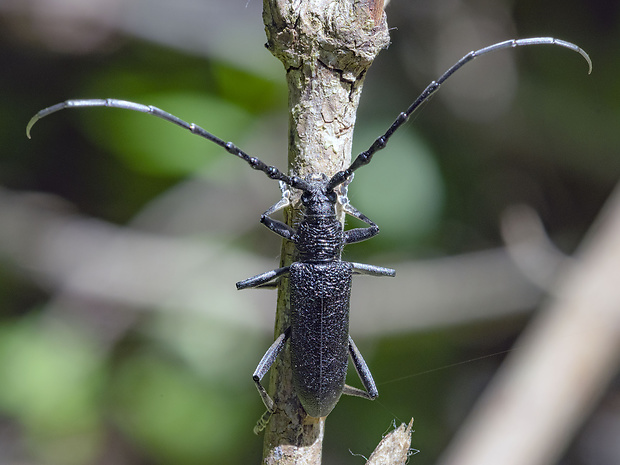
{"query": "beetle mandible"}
{"type": "Point", "coordinates": [320, 282]}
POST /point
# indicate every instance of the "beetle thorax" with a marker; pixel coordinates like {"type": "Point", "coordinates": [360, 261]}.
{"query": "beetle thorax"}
{"type": "Point", "coordinates": [319, 239]}
{"type": "Point", "coordinates": [319, 235]}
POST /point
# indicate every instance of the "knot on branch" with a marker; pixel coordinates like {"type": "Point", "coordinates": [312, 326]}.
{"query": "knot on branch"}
{"type": "Point", "coordinates": [342, 35]}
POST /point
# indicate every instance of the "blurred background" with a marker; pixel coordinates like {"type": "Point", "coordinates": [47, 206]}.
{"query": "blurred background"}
{"type": "Point", "coordinates": [122, 337]}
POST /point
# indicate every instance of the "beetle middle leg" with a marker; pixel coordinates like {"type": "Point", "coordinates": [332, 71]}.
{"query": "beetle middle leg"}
{"type": "Point", "coordinates": [268, 280]}
{"type": "Point", "coordinates": [372, 270]}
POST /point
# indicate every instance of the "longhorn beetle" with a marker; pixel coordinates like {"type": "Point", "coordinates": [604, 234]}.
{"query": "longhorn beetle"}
{"type": "Point", "coordinates": [320, 282]}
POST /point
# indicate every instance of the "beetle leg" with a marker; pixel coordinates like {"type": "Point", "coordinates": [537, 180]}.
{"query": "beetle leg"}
{"type": "Point", "coordinates": [278, 227]}
{"type": "Point", "coordinates": [358, 234]}
{"type": "Point", "coordinates": [372, 270]}
{"type": "Point", "coordinates": [363, 372]}
{"type": "Point", "coordinates": [284, 202]}
{"type": "Point", "coordinates": [264, 280]}
{"type": "Point", "coordinates": [261, 424]}
{"type": "Point", "coordinates": [262, 368]}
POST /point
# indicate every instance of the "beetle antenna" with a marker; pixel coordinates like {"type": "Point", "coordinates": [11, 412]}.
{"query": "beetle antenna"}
{"type": "Point", "coordinates": [271, 171]}
{"type": "Point", "coordinates": [364, 157]}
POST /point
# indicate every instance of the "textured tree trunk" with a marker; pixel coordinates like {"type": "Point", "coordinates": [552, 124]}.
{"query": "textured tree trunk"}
{"type": "Point", "coordinates": [326, 47]}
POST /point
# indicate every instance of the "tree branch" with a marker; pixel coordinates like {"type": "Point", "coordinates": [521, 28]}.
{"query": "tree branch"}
{"type": "Point", "coordinates": [326, 48]}
{"type": "Point", "coordinates": [565, 360]}
{"type": "Point", "coordinates": [394, 448]}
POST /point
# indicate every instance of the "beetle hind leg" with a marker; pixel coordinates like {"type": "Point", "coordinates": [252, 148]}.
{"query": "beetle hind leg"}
{"type": "Point", "coordinates": [363, 372]}
{"type": "Point", "coordinates": [262, 368]}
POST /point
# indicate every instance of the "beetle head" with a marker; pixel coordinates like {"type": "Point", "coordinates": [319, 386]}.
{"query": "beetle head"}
{"type": "Point", "coordinates": [317, 198]}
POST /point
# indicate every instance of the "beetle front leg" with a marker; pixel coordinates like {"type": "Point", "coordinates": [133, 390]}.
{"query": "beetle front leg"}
{"type": "Point", "coordinates": [363, 372]}
{"type": "Point", "coordinates": [359, 234]}
{"type": "Point", "coordinates": [262, 368]}
{"type": "Point", "coordinates": [278, 227]}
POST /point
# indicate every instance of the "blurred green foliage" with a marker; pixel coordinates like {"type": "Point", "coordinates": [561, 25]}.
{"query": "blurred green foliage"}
{"type": "Point", "coordinates": [52, 381]}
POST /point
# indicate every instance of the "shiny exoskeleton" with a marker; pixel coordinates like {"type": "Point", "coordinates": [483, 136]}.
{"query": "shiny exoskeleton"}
{"type": "Point", "coordinates": [320, 282]}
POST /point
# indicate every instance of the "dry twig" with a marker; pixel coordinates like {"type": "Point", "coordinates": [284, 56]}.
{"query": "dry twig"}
{"type": "Point", "coordinates": [564, 363]}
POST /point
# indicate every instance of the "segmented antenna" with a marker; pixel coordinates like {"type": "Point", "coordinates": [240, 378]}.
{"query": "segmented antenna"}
{"type": "Point", "coordinates": [270, 171]}
{"type": "Point", "coordinates": [365, 157]}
